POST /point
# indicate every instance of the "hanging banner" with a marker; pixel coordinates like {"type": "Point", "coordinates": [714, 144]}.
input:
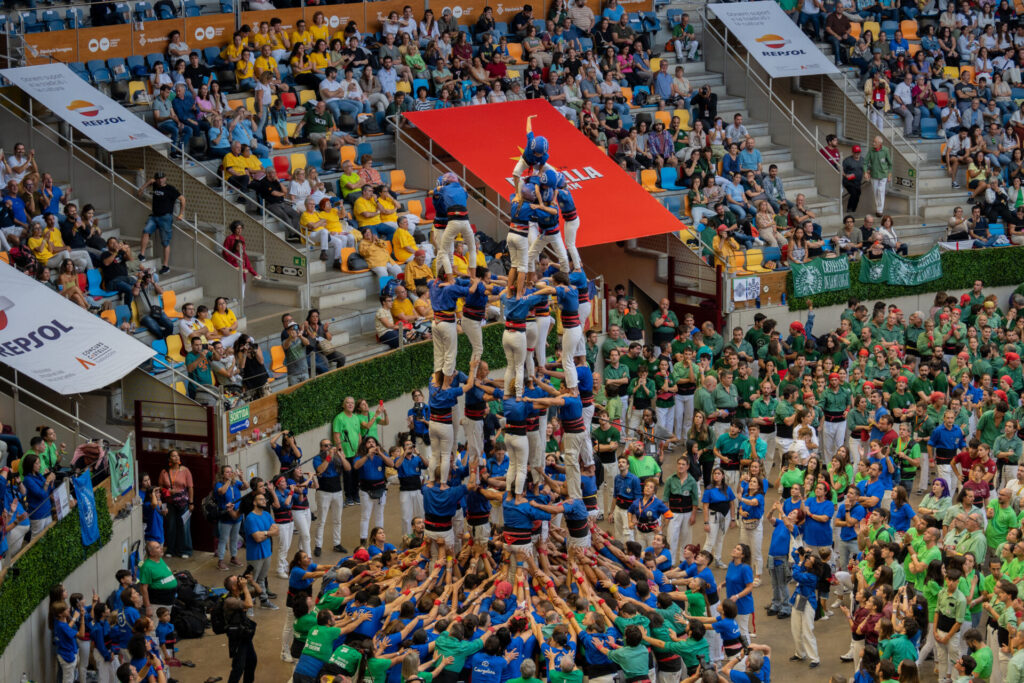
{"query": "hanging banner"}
{"type": "Point", "coordinates": [897, 270]}
{"type": "Point", "coordinates": [773, 39]}
{"type": "Point", "coordinates": [58, 343]}
{"type": "Point", "coordinates": [87, 516]}
{"type": "Point", "coordinates": [820, 275]}
{"type": "Point", "coordinates": [44, 46]}
{"type": "Point", "coordinates": [92, 113]}
{"type": "Point", "coordinates": [122, 470]}
{"type": "Point", "coordinates": [913, 272]}
{"type": "Point", "coordinates": [211, 30]}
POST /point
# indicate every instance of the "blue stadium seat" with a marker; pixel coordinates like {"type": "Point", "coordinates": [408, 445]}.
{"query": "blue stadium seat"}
{"type": "Point", "coordinates": [118, 69]}
{"type": "Point", "coordinates": [211, 55]}
{"type": "Point", "coordinates": [674, 16]}
{"type": "Point", "coordinates": [635, 23]}
{"type": "Point", "coordinates": [315, 159]}
{"type": "Point", "coordinates": [501, 28]}
{"type": "Point", "coordinates": [650, 21]}
{"type": "Point", "coordinates": [226, 7]}
{"type": "Point", "coordinates": [124, 12]}
{"type": "Point", "coordinates": [363, 148]}
{"type": "Point", "coordinates": [539, 23]}
{"type": "Point", "coordinates": [163, 12]}
{"type": "Point", "coordinates": [99, 72]}
{"type": "Point", "coordinates": [144, 12]}
{"type": "Point", "coordinates": [94, 279]}
{"type": "Point", "coordinates": [74, 18]}
{"type": "Point", "coordinates": [79, 69]}
{"type": "Point", "coordinates": [30, 22]}
{"type": "Point", "coordinates": [995, 229]}
{"type": "Point", "coordinates": [929, 128]}
{"type": "Point", "coordinates": [586, 42]}
{"type": "Point", "coordinates": [417, 83]}
{"type": "Point", "coordinates": [772, 254]}
{"type": "Point", "coordinates": [161, 361]}
{"type": "Point", "coordinates": [153, 57]}
{"type": "Point", "coordinates": [137, 65]}
{"type": "Point", "coordinates": [890, 27]}
{"type": "Point", "coordinates": [669, 175]}
{"type": "Point", "coordinates": [385, 178]}
{"type": "Point", "coordinates": [672, 202]}
{"type": "Point", "coordinates": [52, 20]}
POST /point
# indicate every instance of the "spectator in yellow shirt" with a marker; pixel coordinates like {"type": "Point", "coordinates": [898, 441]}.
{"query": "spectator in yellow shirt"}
{"type": "Point", "coordinates": [402, 242]}
{"type": "Point", "coordinates": [245, 74]}
{"type": "Point", "coordinates": [336, 224]}
{"type": "Point", "coordinates": [388, 206]}
{"type": "Point", "coordinates": [301, 34]}
{"type": "Point", "coordinates": [417, 271]}
{"type": "Point", "coordinates": [319, 30]}
{"type": "Point", "coordinates": [374, 250]}
{"type": "Point", "coordinates": [367, 209]}
{"type": "Point", "coordinates": [404, 310]}
{"type": "Point", "coordinates": [237, 167]}
{"type": "Point", "coordinates": [233, 52]}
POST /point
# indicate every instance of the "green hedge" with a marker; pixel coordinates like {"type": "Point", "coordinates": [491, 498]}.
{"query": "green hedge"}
{"type": "Point", "coordinates": [994, 267]}
{"type": "Point", "coordinates": [315, 403]}
{"type": "Point", "coordinates": [47, 563]}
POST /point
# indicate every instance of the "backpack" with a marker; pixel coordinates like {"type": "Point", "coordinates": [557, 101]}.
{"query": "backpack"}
{"type": "Point", "coordinates": [186, 588]}
{"type": "Point", "coordinates": [210, 509]}
{"type": "Point", "coordinates": [189, 622]}
{"type": "Point", "coordinates": [368, 125]}
{"type": "Point", "coordinates": [218, 623]}
{"type": "Point", "coordinates": [357, 262]}
{"type": "Point", "coordinates": [640, 98]}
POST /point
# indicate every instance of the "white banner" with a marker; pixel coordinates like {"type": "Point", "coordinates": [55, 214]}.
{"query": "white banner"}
{"type": "Point", "coordinates": [91, 112]}
{"type": "Point", "coordinates": [58, 343]}
{"type": "Point", "coordinates": [773, 39]}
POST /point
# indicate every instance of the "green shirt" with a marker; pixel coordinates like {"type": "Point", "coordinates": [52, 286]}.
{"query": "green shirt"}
{"type": "Point", "coordinates": [671, 322]}
{"type": "Point", "coordinates": [157, 575]}
{"type": "Point", "coordinates": [704, 401]}
{"type": "Point", "coordinates": [608, 344]}
{"type": "Point", "coordinates": [347, 429]}
{"type": "Point", "coordinates": [631, 363]}
{"type": "Point", "coordinates": [632, 321]}
{"type": "Point", "coordinates": [320, 642]}
{"type": "Point", "coordinates": [448, 646]}
{"type": "Point", "coordinates": [346, 658]}
{"type": "Point", "coordinates": [988, 430]}
{"type": "Point", "coordinates": [632, 660]}
{"type": "Point", "coordinates": [1012, 444]}
{"type": "Point", "coordinates": [621, 372]}
{"type": "Point", "coordinates": [727, 398]}
{"type": "Point", "coordinates": [952, 605]}
{"type": "Point", "coordinates": [376, 670]}
{"type": "Point", "coordinates": [783, 409]}
{"type": "Point", "coordinates": [675, 487]}
{"type": "Point", "coordinates": [898, 648]}
{"type": "Point", "coordinates": [303, 624]}
{"type": "Point", "coordinates": [1003, 519]}
{"type": "Point", "coordinates": [644, 466]}
{"type": "Point", "coordinates": [925, 556]}
{"type": "Point", "coordinates": [835, 401]}
{"type": "Point", "coordinates": [574, 676]}
{"type": "Point", "coordinates": [983, 662]}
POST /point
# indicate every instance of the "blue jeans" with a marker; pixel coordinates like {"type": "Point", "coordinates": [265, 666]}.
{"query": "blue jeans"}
{"type": "Point", "coordinates": [737, 209]}
{"type": "Point", "coordinates": [351, 107]}
{"type": "Point", "coordinates": [123, 285]}
{"type": "Point", "coordinates": [818, 21]}
{"type": "Point", "coordinates": [171, 130]}
{"type": "Point", "coordinates": [228, 537]}
{"type": "Point", "coordinates": [157, 324]}
{"type": "Point", "coordinates": [746, 241]}
{"type": "Point", "coordinates": [162, 224]}
{"type": "Point", "coordinates": [990, 242]}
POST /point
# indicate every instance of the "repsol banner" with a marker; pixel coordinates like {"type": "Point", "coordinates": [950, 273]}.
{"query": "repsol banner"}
{"type": "Point", "coordinates": [58, 343]}
{"type": "Point", "coordinates": [89, 111]}
{"type": "Point", "coordinates": [773, 39]}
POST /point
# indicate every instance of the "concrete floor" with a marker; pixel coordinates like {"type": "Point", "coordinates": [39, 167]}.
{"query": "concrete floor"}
{"type": "Point", "coordinates": [210, 653]}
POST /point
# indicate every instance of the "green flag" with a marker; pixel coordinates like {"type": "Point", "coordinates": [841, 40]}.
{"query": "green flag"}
{"type": "Point", "coordinates": [874, 271]}
{"type": "Point", "coordinates": [913, 272]}
{"type": "Point", "coordinates": [122, 470]}
{"type": "Point", "coordinates": [820, 275]}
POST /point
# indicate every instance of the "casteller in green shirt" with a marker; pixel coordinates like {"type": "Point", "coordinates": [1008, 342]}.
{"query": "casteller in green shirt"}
{"type": "Point", "coordinates": [345, 431]}
{"type": "Point", "coordinates": [574, 676]}
{"type": "Point", "coordinates": [644, 466]}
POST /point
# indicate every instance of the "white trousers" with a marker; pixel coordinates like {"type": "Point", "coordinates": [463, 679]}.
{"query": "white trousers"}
{"type": "Point", "coordinates": [832, 436]}
{"type": "Point", "coordinates": [518, 251]}
{"type": "Point", "coordinates": [716, 533]}
{"type": "Point", "coordinates": [371, 510]}
{"type": "Point", "coordinates": [474, 440]}
{"type": "Point", "coordinates": [878, 189]}
{"type": "Point", "coordinates": [67, 670]}
{"type": "Point", "coordinates": [678, 534]}
{"type": "Point", "coordinates": [412, 506]}
{"type": "Point", "coordinates": [446, 346]}
{"type": "Point", "coordinates": [518, 454]}
{"type": "Point", "coordinates": [572, 444]}
{"type": "Point", "coordinates": [569, 230]}
{"type": "Point", "coordinates": [587, 452]}
{"type": "Point", "coordinates": [947, 654]}
{"type": "Point", "coordinates": [303, 521]}
{"type": "Point", "coordinates": [607, 490]}
{"type": "Point", "coordinates": [442, 440]}
{"type": "Point", "coordinates": [446, 245]}
{"type": "Point", "coordinates": [531, 347]}
{"type": "Point", "coordinates": [325, 501]}
{"type": "Point", "coordinates": [514, 343]}
{"type": "Point", "coordinates": [620, 521]}
{"type": "Point", "coordinates": [475, 335]}
{"type": "Point", "coordinates": [571, 339]}
{"type": "Point", "coordinates": [542, 241]}
{"type": "Point", "coordinates": [753, 538]}
{"type": "Point", "coordinates": [801, 626]}
{"type": "Point", "coordinates": [665, 416]}
{"type": "Point", "coordinates": [284, 543]}
{"type": "Point", "coordinates": [333, 242]}
{"type": "Point", "coordinates": [540, 347]}
{"type": "Point", "coordinates": [682, 415]}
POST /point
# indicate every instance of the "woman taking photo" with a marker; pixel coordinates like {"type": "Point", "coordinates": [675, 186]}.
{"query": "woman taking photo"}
{"type": "Point", "coordinates": [178, 479]}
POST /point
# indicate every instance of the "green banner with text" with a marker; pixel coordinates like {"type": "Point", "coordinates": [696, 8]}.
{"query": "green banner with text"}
{"type": "Point", "coordinates": [897, 270]}
{"type": "Point", "coordinates": [820, 275]}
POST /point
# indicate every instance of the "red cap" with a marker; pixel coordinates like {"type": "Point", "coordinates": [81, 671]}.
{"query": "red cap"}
{"type": "Point", "coordinates": [1012, 355]}
{"type": "Point", "coordinates": [1001, 394]}
{"type": "Point", "coordinates": [796, 325]}
{"type": "Point", "coordinates": [863, 352]}
{"type": "Point", "coordinates": [502, 589]}
{"type": "Point", "coordinates": [722, 228]}
{"type": "Point", "coordinates": [834, 375]}
{"type": "Point", "coordinates": [856, 148]}
{"type": "Point", "coordinates": [965, 299]}
{"type": "Point", "coordinates": [944, 316]}
{"type": "Point", "coordinates": [1007, 379]}
{"type": "Point", "coordinates": [902, 378]}
{"type": "Point", "coordinates": [937, 396]}
{"type": "Point", "coordinates": [363, 555]}
{"type": "Point", "coordinates": [868, 385]}
{"type": "Point", "coordinates": [808, 394]}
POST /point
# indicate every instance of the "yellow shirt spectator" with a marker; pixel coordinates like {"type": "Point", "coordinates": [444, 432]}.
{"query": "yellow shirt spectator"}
{"type": "Point", "coordinates": [333, 220]}
{"type": "Point", "coordinates": [404, 245]}
{"type": "Point", "coordinates": [308, 222]}
{"type": "Point", "coordinates": [56, 239]}
{"type": "Point", "coordinates": [265, 64]}
{"type": "Point", "coordinates": [252, 162]}
{"type": "Point", "coordinates": [319, 60]}
{"type": "Point", "coordinates": [244, 69]}
{"type": "Point", "coordinates": [363, 205]}
{"type": "Point", "coordinates": [223, 320]}
{"type": "Point", "coordinates": [304, 37]}
{"type": "Point", "coordinates": [40, 248]}
{"type": "Point", "coordinates": [415, 273]}
{"type": "Point", "coordinates": [232, 52]}
{"type": "Point", "coordinates": [235, 163]}
{"type": "Point", "coordinates": [403, 307]}
{"type": "Point", "coordinates": [259, 40]}
{"type": "Point", "coordinates": [374, 252]}
{"type": "Point", "coordinates": [424, 309]}
{"type": "Point", "coordinates": [388, 210]}
{"type": "Point", "coordinates": [461, 264]}
{"type": "Point", "coordinates": [319, 32]}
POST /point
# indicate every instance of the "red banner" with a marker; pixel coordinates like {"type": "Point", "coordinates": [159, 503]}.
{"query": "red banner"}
{"type": "Point", "coordinates": [488, 140]}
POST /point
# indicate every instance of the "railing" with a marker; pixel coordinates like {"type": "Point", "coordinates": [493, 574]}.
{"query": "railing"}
{"type": "Point", "coordinates": [854, 125]}
{"type": "Point", "coordinates": [785, 124]}
{"type": "Point", "coordinates": [205, 256]}
{"type": "Point", "coordinates": [284, 262]}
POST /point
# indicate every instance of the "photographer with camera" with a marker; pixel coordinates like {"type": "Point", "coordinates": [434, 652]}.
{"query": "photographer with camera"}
{"type": "Point", "coordinates": [239, 627]}
{"type": "Point", "coordinates": [249, 361]}
{"type": "Point", "coordinates": [756, 659]}
{"type": "Point", "coordinates": [114, 268]}
{"type": "Point", "coordinates": [227, 493]}
{"type": "Point", "coordinates": [197, 362]}
{"type": "Point", "coordinates": [294, 345]}
{"type": "Point", "coordinates": [224, 367]}
{"type": "Point", "coordinates": [145, 291]}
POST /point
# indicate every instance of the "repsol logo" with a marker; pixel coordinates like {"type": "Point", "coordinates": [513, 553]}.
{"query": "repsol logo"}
{"type": "Point", "coordinates": [18, 346]}
{"type": "Point", "coordinates": [782, 53]}
{"type": "Point", "coordinates": [103, 122]}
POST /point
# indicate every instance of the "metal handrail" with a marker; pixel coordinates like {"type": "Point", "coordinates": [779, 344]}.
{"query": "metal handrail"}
{"type": "Point", "coordinates": [75, 419]}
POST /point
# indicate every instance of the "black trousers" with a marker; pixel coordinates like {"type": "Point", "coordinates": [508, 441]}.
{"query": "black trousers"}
{"type": "Point", "coordinates": [853, 187]}
{"type": "Point", "coordinates": [243, 661]}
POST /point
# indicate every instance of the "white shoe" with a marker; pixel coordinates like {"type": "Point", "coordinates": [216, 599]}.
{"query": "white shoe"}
{"type": "Point", "coordinates": [287, 658]}
{"type": "Point", "coordinates": [282, 575]}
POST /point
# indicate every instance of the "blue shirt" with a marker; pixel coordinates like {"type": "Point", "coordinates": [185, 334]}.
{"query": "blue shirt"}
{"type": "Point", "coordinates": [869, 490]}
{"type": "Point", "coordinates": [152, 521]}
{"type": "Point", "coordinates": [648, 512]}
{"type": "Point", "coordinates": [884, 475]}
{"type": "Point", "coordinates": [815, 532]}
{"type": "Point", "coordinates": [516, 310]}
{"type": "Point", "coordinates": [372, 470]}
{"type": "Point", "coordinates": [487, 668]}
{"type": "Point", "coordinates": [330, 472]}
{"type": "Point", "coordinates": [442, 400]}
{"type": "Point", "coordinates": [516, 412]}
{"type": "Point", "coordinates": [806, 585]}
{"type": "Point", "coordinates": [737, 578]}
{"type": "Point", "coordinates": [899, 517]}
{"type": "Point", "coordinates": [375, 551]}
{"type": "Point", "coordinates": [37, 496]}
{"type": "Point", "coordinates": [451, 195]}
{"type": "Point", "coordinates": [54, 205]}
{"type": "Point", "coordinates": [849, 533]}
{"type": "Point", "coordinates": [521, 516]}
{"type": "Point", "coordinates": [66, 640]}
{"type": "Point", "coordinates": [368, 628]}
{"type": "Point", "coordinates": [627, 487]}
{"type": "Point", "coordinates": [778, 547]}
{"type": "Point", "coordinates": [947, 439]}
{"type": "Point", "coordinates": [536, 152]}
{"type": "Point", "coordinates": [749, 159]}
{"type": "Point", "coordinates": [254, 521]}
{"type": "Point", "coordinates": [446, 297]}
{"type": "Point", "coordinates": [568, 299]}
{"type": "Point", "coordinates": [232, 495]}
{"type": "Point", "coordinates": [442, 503]}
{"type": "Point", "coordinates": [754, 511]}
{"type": "Point", "coordinates": [295, 581]}
{"type": "Point", "coordinates": [564, 198]}
{"type": "Point", "coordinates": [288, 458]}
